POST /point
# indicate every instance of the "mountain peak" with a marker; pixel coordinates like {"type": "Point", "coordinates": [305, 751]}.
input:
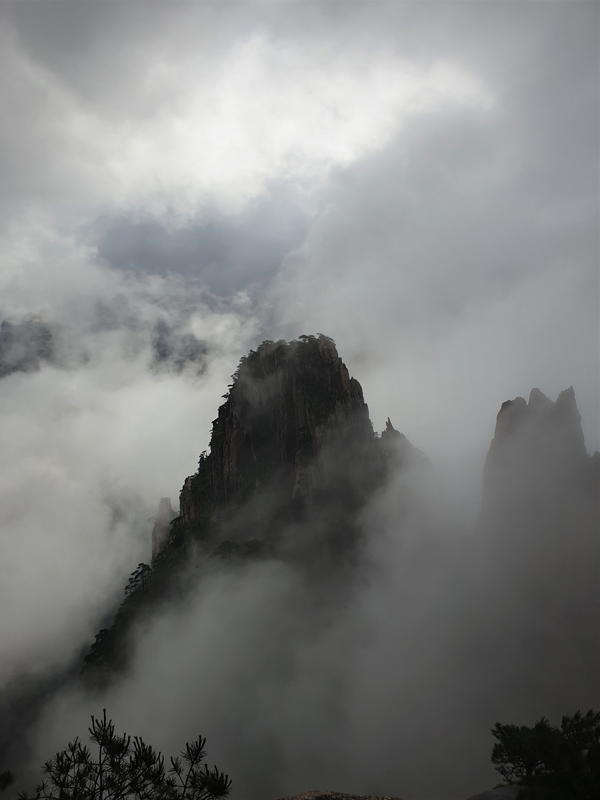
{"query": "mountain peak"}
{"type": "Point", "coordinates": [541, 430]}
{"type": "Point", "coordinates": [538, 399]}
{"type": "Point", "coordinates": [292, 460]}
{"type": "Point", "coordinates": [287, 402]}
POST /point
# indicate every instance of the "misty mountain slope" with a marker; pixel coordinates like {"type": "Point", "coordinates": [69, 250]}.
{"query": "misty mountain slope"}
{"type": "Point", "coordinates": [293, 459]}
{"type": "Point", "coordinates": [314, 597]}
{"type": "Point", "coordinates": [539, 551]}
{"type": "Point", "coordinates": [540, 497]}
{"type": "Point", "coordinates": [418, 180]}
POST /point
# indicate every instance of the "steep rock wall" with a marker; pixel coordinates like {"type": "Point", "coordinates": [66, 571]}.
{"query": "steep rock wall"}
{"type": "Point", "coordinates": [288, 402]}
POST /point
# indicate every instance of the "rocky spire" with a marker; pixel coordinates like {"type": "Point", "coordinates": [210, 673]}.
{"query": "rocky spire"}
{"type": "Point", "coordinates": [539, 516]}
{"type": "Point", "coordinates": [287, 403]}
{"type": "Point", "coordinates": [542, 435]}
{"type": "Point", "coordinates": [293, 458]}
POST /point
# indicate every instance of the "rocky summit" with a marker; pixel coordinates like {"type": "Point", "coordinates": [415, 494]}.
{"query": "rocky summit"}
{"type": "Point", "coordinates": [292, 447]}
{"type": "Point", "coordinates": [287, 403]}
{"type": "Point", "coordinates": [540, 502]}
{"type": "Point", "coordinates": [292, 460]}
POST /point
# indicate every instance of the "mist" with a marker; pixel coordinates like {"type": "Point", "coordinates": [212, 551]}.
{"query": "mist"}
{"type": "Point", "coordinates": [182, 181]}
{"type": "Point", "coordinates": [351, 681]}
{"type": "Point", "coordinates": [386, 676]}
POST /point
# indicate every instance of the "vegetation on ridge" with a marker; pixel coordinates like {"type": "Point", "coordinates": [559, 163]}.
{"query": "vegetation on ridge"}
{"type": "Point", "coordinates": [547, 762]}
{"type": "Point", "coordinates": [551, 763]}
{"type": "Point", "coordinates": [125, 768]}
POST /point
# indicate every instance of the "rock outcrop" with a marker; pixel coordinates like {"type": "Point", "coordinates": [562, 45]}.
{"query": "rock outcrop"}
{"type": "Point", "coordinates": [539, 560]}
{"type": "Point", "coordinates": [293, 458]}
{"type": "Point", "coordinates": [288, 402]}
{"type": "Point", "coordinates": [291, 445]}
{"type": "Point", "coordinates": [539, 437]}
{"type": "Point", "coordinates": [540, 499]}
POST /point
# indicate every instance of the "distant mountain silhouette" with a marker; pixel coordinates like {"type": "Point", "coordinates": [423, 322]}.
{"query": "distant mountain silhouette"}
{"type": "Point", "coordinates": [538, 581]}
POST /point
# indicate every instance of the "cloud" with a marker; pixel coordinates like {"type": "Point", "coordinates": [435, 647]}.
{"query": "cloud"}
{"type": "Point", "coordinates": [387, 676]}
{"type": "Point", "coordinates": [418, 181]}
{"type": "Point", "coordinates": [92, 439]}
{"type": "Point", "coordinates": [86, 454]}
{"type": "Point", "coordinates": [454, 269]}
{"type": "Point", "coordinates": [212, 131]}
{"type": "Point", "coordinates": [228, 253]}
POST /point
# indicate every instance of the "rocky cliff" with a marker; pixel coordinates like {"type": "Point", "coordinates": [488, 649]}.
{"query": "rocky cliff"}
{"type": "Point", "coordinates": [291, 445]}
{"type": "Point", "coordinates": [540, 497]}
{"type": "Point", "coordinates": [536, 437]}
{"type": "Point", "coordinates": [292, 460]}
{"type": "Point", "coordinates": [538, 590]}
{"type": "Point", "coordinates": [288, 402]}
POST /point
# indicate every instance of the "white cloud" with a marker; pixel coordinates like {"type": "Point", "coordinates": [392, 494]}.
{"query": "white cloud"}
{"type": "Point", "coordinates": [199, 131]}
{"type": "Point", "coordinates": [453, 257]}
{"type": "Point", "coordinates": [88, 447]}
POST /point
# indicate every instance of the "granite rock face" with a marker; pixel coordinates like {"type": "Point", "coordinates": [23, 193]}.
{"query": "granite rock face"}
{"type": "Point", "coordinates": [293, 458]}
{"type": "Point", "coordinates": [292, 447]}
{"type": "Point", "coordinates": [288, 402]}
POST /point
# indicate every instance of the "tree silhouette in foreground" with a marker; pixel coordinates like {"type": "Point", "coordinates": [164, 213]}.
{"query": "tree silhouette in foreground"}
{"type": "Point", "coordinates": [549, 762]}
{"type": "Point", "coordinates": [126, 768]}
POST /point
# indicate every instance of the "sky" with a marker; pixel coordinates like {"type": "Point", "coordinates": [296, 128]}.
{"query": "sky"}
{"type": "Point", "coordinates": [418, 181]}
